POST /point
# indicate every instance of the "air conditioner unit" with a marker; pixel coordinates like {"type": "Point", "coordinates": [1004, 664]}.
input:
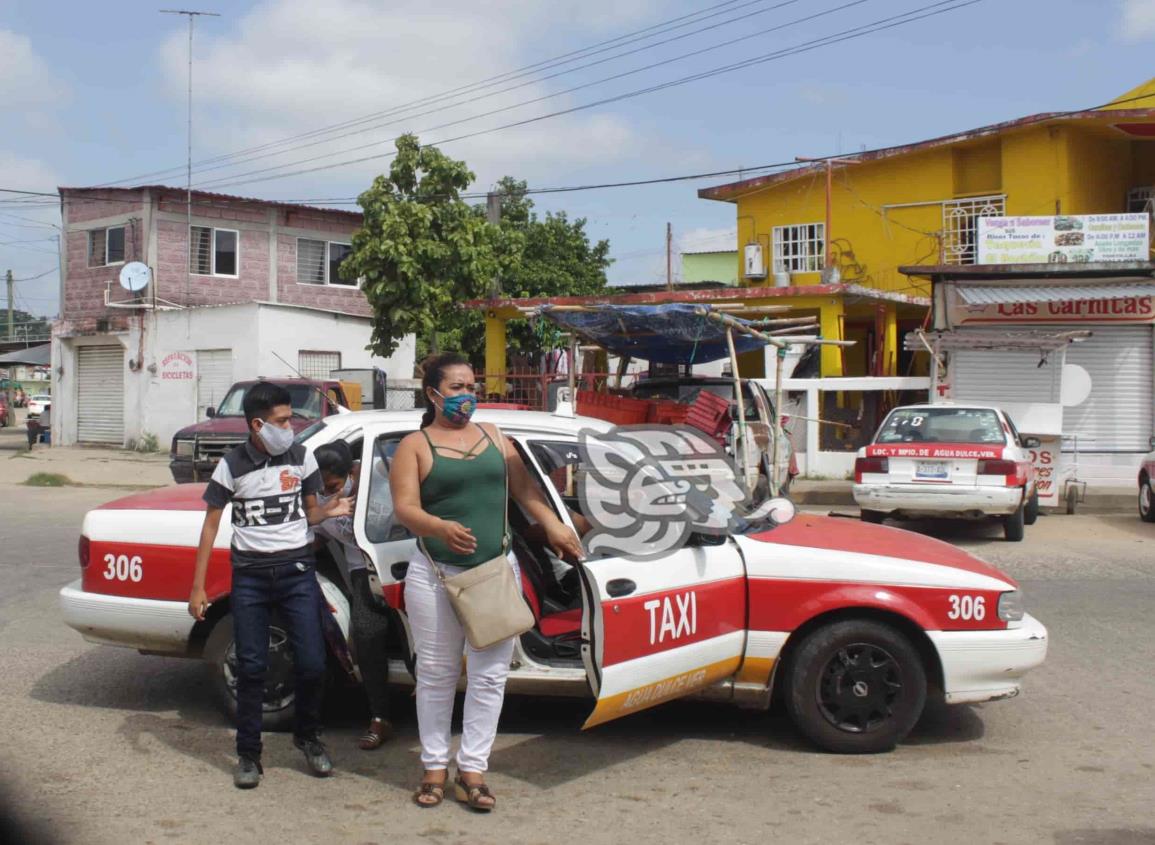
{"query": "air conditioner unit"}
{"type": "Point", "coordinates": [755, 261]}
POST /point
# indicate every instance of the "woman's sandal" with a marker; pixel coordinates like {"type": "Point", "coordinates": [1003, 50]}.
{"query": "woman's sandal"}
{"type": "Point", "coordinates": [472, 794]}
{"type": "Point", "coordinates": [429, 794]}
{"type": "Point", "coordinates": [379, 731]}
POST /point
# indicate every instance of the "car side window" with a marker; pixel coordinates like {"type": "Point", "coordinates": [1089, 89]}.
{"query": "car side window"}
{"type": "Point", "coordinates": [381, 526]}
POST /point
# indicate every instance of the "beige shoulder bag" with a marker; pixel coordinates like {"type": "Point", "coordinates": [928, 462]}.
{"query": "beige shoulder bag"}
{"type": "Point", "coordinates": [487, 598]}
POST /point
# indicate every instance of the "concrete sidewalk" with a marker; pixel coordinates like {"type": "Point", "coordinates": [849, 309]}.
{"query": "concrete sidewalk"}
{"type": "Point", "coordinates": [84, 466]}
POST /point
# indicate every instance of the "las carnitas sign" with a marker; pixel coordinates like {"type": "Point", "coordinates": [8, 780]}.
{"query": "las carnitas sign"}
{"type": "Point", "coordinates": [1131, 309]}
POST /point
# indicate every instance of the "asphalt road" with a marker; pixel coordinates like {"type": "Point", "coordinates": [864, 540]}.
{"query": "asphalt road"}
{"type": "Point", "coordinates": [103, 745]}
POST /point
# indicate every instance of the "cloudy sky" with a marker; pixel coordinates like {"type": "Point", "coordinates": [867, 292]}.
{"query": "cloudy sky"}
{"type": "Point", "coordinates": [95, 93]}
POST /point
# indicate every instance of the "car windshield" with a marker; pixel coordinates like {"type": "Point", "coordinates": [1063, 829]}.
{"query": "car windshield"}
{"type": "Point", "coordinates": [306, 401]}
{"type": "Point", "coordinates": [942, 425]}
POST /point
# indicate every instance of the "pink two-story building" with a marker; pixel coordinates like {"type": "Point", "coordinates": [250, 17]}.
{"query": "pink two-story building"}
{"type": "Point", "coordinates": [239, 288]}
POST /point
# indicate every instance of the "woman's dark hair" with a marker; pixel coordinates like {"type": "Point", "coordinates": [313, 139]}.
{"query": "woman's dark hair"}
{"type": "Point", "coordinates": [432, 374]}
{"type": "Point", "coordinates": [334, 458]}
{"type": "Point", "coordinates": [262, 398]}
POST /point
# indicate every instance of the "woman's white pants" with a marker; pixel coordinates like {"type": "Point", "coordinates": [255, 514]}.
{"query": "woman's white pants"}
{"type": "Point", "coordinates": [440, 642]}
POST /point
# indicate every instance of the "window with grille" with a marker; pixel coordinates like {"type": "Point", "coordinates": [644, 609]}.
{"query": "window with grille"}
{"type": "Point", "coordinates": [318, 365]}
{"type": "Point", "coordinates": [213, 252]}
{"type": "Point", "coordinates": [106, 246]}
{"type": "Point", "coordinates": [799, 249]}
{"type": "Point", "coordinates": [960, 225]}
{"type": "Point", "coordinates": [1140, 200]}
{"type": "Point", "coordinates": [319, 262]}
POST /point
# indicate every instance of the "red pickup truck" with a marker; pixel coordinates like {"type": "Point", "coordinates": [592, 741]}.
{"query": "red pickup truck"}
{"type": "Point", "coordinates": [197, 448]}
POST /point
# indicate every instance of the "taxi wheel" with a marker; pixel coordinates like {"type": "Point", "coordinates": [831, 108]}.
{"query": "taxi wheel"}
{"type": "Point", "coordinates": [856, 687]}
{"type": "Point", "coordinates": [1146, 502]}
{"type": "Point", "coordinates": [1013, 524]}
{"type": "Point", "coordinates": [220, 651]}
{"type": "Point", "coordinates": [1031, 514]}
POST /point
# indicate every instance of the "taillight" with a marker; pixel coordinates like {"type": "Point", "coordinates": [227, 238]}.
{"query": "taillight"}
{"type": "Point", "coordinates": [83, 549]}
{"type": "Point", "coordinates": [873, 465]}
{"type": "Point", "coordinates": [1008, 469]}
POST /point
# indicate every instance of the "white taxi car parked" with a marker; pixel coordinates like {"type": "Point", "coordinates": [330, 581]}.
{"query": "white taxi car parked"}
{"type": "Point", "coordinates": [854, 625]}
{"type": "Point", "coordinates": [947, 460]}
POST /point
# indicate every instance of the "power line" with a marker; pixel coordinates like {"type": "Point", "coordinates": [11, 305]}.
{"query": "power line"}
{"type": "Point", "coordinates": [632, 37]}
{"type": "Point", "coordinates": [562, 92]}
{"type": "Point", "coordinates": [846, 35]}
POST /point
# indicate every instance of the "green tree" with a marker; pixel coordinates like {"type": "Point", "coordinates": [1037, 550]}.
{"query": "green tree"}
{"type": "Point", "coordinates": [24, 325]}
{"type": "Point", "coordinates": [554, 257]}
{"type": "Point", "coordinates": [421, 249]}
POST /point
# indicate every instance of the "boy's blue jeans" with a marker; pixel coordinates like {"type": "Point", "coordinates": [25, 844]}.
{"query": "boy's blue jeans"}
{"type": "Point", "coordinates": [291, 590]}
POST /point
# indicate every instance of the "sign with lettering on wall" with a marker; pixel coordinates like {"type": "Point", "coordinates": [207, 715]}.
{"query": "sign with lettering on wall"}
{"type": "Point", "coordinates": [1066, 239]}
{"type": "Point", "coordinates": [177, 366]}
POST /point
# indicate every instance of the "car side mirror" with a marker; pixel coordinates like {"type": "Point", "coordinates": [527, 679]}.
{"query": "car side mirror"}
{"type": "Point", "coordinates": [210, 412]}
{"type": "Point", "coordinates": [1032, 443]}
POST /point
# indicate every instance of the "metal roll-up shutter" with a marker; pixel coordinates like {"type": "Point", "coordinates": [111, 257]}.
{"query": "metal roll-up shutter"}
{"type": "Point", "coordinates": [318, 365]}
{"type": "Point", "coordinates": [1117, 416]}
{"type": "Point", "coordinates": [214, 378]}
{"type": "Point", "coordinates": [100, 387]}
{"type": "Point", "coordinates": [995, 375]}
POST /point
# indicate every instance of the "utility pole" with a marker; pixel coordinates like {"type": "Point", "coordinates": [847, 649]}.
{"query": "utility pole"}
{"type": "Point", "coordinates": [192, 16]}
{"type": "Point", "coordinates": [669, 257]}
{"type": "Point", "coordinates": [827, 240]}
{"type": "Point", "coordinates": [11, 316]}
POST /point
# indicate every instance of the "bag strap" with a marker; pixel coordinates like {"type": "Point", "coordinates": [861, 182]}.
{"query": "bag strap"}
{"type": "Point", "coordinates": [498, 444]}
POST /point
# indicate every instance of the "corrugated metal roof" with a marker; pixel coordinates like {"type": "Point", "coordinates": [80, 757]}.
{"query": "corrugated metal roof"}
{"type": "Point", "coordinates": [999, 295]}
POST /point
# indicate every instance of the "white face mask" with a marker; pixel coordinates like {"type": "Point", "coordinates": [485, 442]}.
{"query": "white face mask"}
{"type": "Point", "coordinates": [276, 440]}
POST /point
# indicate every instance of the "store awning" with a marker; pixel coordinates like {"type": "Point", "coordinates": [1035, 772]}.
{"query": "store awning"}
{"type": "Point", "coordinates": [1008, 295]}
{"type": "Point", "coordinates": [1003, 340]}
{"type": "Point", "coordinates": [34, 356]}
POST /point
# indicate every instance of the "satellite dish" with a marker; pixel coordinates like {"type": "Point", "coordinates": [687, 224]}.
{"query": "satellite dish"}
{"type": "Point", "coordinates": [135, 276]}
{"type": "Point", "coordinates": [1075, 386]}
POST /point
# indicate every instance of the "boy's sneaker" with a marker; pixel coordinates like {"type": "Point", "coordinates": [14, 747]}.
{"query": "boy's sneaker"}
{"type": "Point", "coordinates": [247, 773]}
{"type": "Point", "coordinates": [315, 755]}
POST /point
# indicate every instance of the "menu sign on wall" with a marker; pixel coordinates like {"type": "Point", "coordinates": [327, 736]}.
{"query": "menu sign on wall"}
{"type": "Point", "coordinates": [1074, 239]}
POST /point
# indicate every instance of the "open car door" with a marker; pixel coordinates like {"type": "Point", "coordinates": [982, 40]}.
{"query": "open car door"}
{"type": "Point", "coordinates": [386, 543]}
{"type": "Point", "coordinates": [657, 630]}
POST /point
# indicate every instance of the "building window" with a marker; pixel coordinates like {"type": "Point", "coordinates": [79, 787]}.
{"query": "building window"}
{"type": "Point", "coordinates": [318, 365]}
{"type": "Point", "coordinates": [799, 249]}
{"type": "Point", "coordinates": [318, 262]}
{"type": "Point", "coordinates": [106, 246]}
{"type": "Point", "coordinates": [960, 225]}
{"type": "Point", "coordinates": [213, 251]}
{"type": "Point", "coordinates": [1141, 201]}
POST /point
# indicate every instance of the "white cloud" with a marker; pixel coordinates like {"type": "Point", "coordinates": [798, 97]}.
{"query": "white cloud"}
{"type": "Point", "coordinates": [708, 240]}
{"type": "Point", "coordinates": [26, 80]}
{"type": "Point", "coordinates": [291, 66]}
{"type": "Point", "coordinates": [1138, 20]}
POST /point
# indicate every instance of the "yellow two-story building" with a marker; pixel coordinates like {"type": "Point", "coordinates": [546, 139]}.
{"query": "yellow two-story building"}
{"type": "Point", "coordinates": [843, 226]}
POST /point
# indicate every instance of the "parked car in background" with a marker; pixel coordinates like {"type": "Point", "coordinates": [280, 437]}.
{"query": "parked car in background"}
{"type": "Point", "coordinates": [947, 460]}
{"type": "Point", "coordinates": [1147, 485]}
{"type": "Point", "coordinates": [857, 626]}
{"type": "Point", "coordinates": [37, 404]}
{"type": "Point", "coordinates": [196, 449]}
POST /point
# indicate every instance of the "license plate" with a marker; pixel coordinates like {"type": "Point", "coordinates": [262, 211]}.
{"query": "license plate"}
{"type": "Point", "coordinates": [932, 470]}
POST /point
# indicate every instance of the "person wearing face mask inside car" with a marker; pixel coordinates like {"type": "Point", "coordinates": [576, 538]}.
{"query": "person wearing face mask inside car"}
{"type": "Point", "coordinates": [368, 617]}
{"type": "Point", "coordinates": [272, 484]}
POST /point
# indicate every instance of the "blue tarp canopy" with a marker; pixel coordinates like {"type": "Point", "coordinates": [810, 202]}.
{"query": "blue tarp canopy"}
{"type": "Point", "coordinates": [673, 333]}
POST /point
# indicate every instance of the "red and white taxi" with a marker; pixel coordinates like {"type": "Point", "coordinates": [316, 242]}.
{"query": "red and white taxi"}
{"type": "Point", "coordinates": [948, 460]}
{"type": "Point", "coordinates": [1147, 486]}
{"type": "Point", "coordinates": [853, 625]}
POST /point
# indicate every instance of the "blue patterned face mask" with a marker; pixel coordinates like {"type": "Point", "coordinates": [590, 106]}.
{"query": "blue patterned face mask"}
{"type": "Point", "coordinates": [457, 409]}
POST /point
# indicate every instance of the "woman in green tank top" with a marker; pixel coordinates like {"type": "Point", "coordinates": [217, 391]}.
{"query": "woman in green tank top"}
{"type": "Point", "coordinates": [449, 486]}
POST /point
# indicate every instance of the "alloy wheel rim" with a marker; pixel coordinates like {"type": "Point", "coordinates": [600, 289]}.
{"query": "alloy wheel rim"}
{"type": "Point", "coordinates": [859, 687]}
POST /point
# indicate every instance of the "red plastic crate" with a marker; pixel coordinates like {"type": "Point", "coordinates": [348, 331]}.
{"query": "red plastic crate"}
{"type": "Point", "coordinates": [710, 413]}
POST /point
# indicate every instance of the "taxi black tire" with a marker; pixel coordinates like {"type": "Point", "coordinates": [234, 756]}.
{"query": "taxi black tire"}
{"type": "Point", "coordinates": [873, 517]}
{"type": "Point", "coordinates": [1146, 501]}
{"type": "Point", "coordinates": [804, 677]}
{"type": "Point", "coordinates": [1013, 524]}
{"type": "Point", "coordinates": [216, 652]}
{"type": "Point", "coordinates": [1031, 513]}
